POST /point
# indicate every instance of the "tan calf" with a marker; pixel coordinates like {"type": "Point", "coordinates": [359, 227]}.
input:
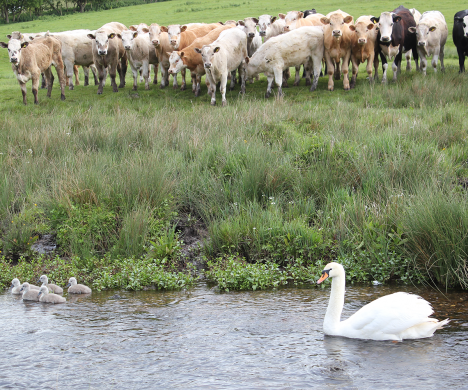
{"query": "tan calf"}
{"type": "Point", "coordinates": [30, 59]}
{"type": "Point", "coordinates": [337, 39]}
{"type": "Point", "coordinates": [363, 44]}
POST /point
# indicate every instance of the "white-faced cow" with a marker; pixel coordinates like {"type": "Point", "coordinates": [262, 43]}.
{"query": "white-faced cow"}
{"type": "Point", "coordinates": [254, 40]}
{"type": "Point", "coordinates": [30, 59]}
{"type": "Point", "coordinates": [264, 22]}
{"type": "Point", "coordinates": [431, 36]}
{"type": "Point", "coordinates": [364, 41]}
{"type": "Point", "coordinates": [395, 39]}
{"type": "Point", "coordinates": [223, 56]}
{"type": "Point", "coordinates": [301, 46]}
{"type": "Point", "coordinates": [109, 54]}
{"type": "Point", "coordinates": [160, 41]}
{"type": "Point", "coordinates": [460, 36]}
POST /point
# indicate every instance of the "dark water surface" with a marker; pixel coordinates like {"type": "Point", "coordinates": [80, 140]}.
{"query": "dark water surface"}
{"type": "Point", "coordinates": [200, 339]}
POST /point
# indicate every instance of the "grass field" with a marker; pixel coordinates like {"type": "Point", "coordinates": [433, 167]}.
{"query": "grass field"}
{"type": "Point", "coordinates": [375, 177]}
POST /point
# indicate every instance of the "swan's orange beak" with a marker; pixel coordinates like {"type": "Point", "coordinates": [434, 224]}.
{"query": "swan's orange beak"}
{"type": "Point", "coordinates": [323, 277]}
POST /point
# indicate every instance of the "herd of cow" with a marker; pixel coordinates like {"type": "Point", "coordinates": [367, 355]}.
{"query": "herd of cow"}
{"type": "Point", "coordinates": [269, 45]}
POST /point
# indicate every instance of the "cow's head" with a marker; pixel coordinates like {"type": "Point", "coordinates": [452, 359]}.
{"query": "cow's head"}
{"type": "Point", "coordinates": [362, 31]}
{"type": "Point", "coordinates": [464, 22]}
{"type": "Point", "coordinates": [14, 47]}
{"type": "Point", "coordinates": [154, 31]}
{"type": "Point", "coordinates": [138, 27]}
{"type": "Point", "coordinates": [265, 21]}
{"type": "Point", "coordinates": [290, 20]}
{"type": "Point", "coordinates": [386, 22]}
{"type": "Point", "coordinates": [336, 22]}
{"type": "Point", "coordinates": [128, 37]}
{"type": "Point", "coordinates": [176, 62]}
{"type": "Point", "coordinates": [174, 31]}
{"type": "Point", "coordinates": [422, 32]}
{"type": "Point", "coordinates": [207, 52]}
{"type": "Point", "coordinates": [102, 41]}
{"type": "Point", "coordinates": [249, 26]}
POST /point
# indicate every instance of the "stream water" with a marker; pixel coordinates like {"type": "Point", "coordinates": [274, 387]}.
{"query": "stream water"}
{"type": "Point", "coordinates": [201, 339]}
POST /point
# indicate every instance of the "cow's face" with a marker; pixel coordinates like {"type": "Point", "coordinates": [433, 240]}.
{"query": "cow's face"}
{"type": "Point", "coordinates": [465, 26]}
{"type": "Point", "coordinates": [14, 47]}
{"type": "Point", "coordinates": [423, 33]}
{"type": "Point", "coordinates": [291, 18]}
{"type": "Point", "coordinates": [176, 62]}
{"type": "Point", "coordinates": [128, 38]}
{"type": "Point", "coordinates": [249, 26]}
{"type": "Point", "coordinates": [362, 31]}
{"type": "Point", "coordinates": [264, 22]}
{"type": "Point", "coordinates": [386, 22]}
{"type": "Point", "coordinates": [174, 32]}
{"type": "Point", "coordinates": [102, 41]}
{"type": "Point", "coordinates": [154, 34]}
{"type": "Point", "coordinates": [336, 23]}
{"type": "Point", "coordinates": [207, 52]}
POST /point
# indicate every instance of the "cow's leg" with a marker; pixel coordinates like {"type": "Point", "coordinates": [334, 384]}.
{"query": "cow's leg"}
{"type": "Point", "coordinates": [384, 73]}
{"type": "Point", "coordinates": [23, 92]}
{"type": "Point", "coordinates": [308, 66]}
{"type": "Point", "coordinates": [376, 67]}
{"type": "Point", "coordinates": [461, 59]}
{"type": "Point", "coordinates": [355, 64]}
{"type": "Point", "coordinates": [194, 77]}
{"type": "Point", "coordinates": [345, 71]}
{"type": "Point", "coordinates": [441, 58]}
{"type": "Point", "coordinates": [123, 69]}
{"type": "Point", "coordinates": [396, 64]}
{"type": "Point", "coordinates": [44, 83]}
{"type": "Point", "coordinates": [184, 84]}
{"type": "Point", "coordinates": [435, 57]}
{"type": "Point", "coordinates": [317, 68]}
{"type": "Point", "coordinates": [408, 60]}
{"type": "Point", "coordinates": [59, 68]}
{"type": "Point", "coordinates": [370, 61]}
{"type": "Point", "coordinates": [102, 75]}
{"type": "Point", "coordinates": [113, 74]}
{"type": "Point", "coordinates": [270, 79]}
{"type": "Point", "coordinates": [286, 76]}
{"type": "Point", "coordinates": [213, 91]}
{"type": "Point", "coordinates": [146, 74]}
{"type": "Point", "coordinates": [243, 76]}
{"type": "Point", "coordinates": [69, 68]}
{"type": "Point", "coordinates": [416, 57]}
{"type": "Point", "coordinates": [175, 85]}
{"type": "Point", "coordinates": [222, 89]}
{"type": "Point", "coordinates": [86, 75]}
{"type": "Point", "coordinates": [164, 75]}
{"type": "Point", "coordinates": [337, 70]}
{"type": "Point", "coordinates": [77, 74]}
{"type": "Point", "coordinates": [155, 70]}
{"type": "Point", "coordinates": [95, 74]}
{"type": "Point", "coordinates": [141, 75]}
{"type": "Point", "coordinates": [278, 72]}
{"type": "Point", "coordinates": [330, 71]}
{"type": "Point", "coordinates": [198, 85]}
{"type": "Point", "coordinates": [135, 72]}
{"type": "Point", "coordinates": [233, 80]}
{"type": "Point", "coordinates": [297, 77]}
{"type": "Point", "coordinates": [35, 85]}
{"type": "Point", "coordinates": [50, 83]}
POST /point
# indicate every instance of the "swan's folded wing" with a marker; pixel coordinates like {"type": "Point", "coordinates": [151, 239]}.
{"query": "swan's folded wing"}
{"type": "Point", "coordinates": [390, 314]}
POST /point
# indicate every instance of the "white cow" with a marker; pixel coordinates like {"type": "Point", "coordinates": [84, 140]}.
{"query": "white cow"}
{"type": "Point", "coordinates": [408, 55]}
{"type": "Point", "coordinates": [265, 21]}
{"type": "Point", "coordinates": [431, 37]}
{"type": "Point", "coordinates": [224, 56]}
{"type": "Point", "coordinates": [140, 54]}
{"type": "Point", "coordinates": [254, 40]}
{"type": "Point", "coordinates": [301, 46]}
{"type": "Point", "coordinates": [276, 28]}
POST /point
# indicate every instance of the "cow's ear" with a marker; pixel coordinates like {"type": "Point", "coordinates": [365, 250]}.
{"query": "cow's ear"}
{"type": "Point", "coordinates": [370, 26]}
{"type": "Point", "coordinates": [282, 16]}
{"type": "Point", "coordinates": [132, 28]}
{"type": "Point", "coordinates": [181, 54]}
{"type": "Point", "coordinates": [216, 49]}
{"type": "Point", "coordinates": [145, 30]}
{"type": "Point", "coordinates": [111, 36]}
{"type": "Point", "coordinates": [24, 44]}
{"type": "Point", "coordinates": [396, 19]}
{"type": "Point", "coordinates": [240, 23]}
{"type": "Point", "coordinates": [9, 36]}
{"type": "Point", "coordinates": [273, 19]}
{"type": "Point", "coordinates": [197, 50]}
{"type": "Point", "coordinates": [168, 53]}
{"type": "Point", "coordinates": [4, 45]}
{"type": "Point", "coordinates": [348, 19]}
{"type": "Point", "coordinates": [352, 28]}
{"type": "Point", "coordinates": [31, 38]}
{"type": "Point", "coordinates": [183, 28]}
{"type": "Point", "coordinates": [163, 28]}
{"type": "Point", "coordinates": [374, 19]}
{"type": "Point", "coordinates": [255, 20]}
{"type": "Point", "coordinates": [91, 36]}
{"type": "Point", "coordinates": [135, 34]}
{"type": "Point", "coordinates": [433, 28]}
{"type": "Point", "coordinates": [325, 20]}
{"type": "Point", "coordinates": [221, 23]}
{"type": "Point", "coordinates": [300, 15]}
{"type": "Point", "coordinates": [412, 29]}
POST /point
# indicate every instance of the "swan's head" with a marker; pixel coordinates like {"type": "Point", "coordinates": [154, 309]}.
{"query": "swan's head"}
{"type": "Point", "coordinates": [331, 270]}
{"type": "Point", "coordinates": [25, 287]}
{"type": "Point", "coordinates": [15, 283]}
{"type": "Point", "coordinates": [43, 279]}
{"type": "Point", "coordinates": [71, 282]}
{"type": "Point", "coordinates": [43, 290]}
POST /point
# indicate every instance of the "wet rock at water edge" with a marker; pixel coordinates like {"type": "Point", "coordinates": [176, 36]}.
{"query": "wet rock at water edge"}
{"type": "Point", "coordinates": [45, 245]}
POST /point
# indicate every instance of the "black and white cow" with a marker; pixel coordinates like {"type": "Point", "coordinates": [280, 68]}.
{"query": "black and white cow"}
{"type": "Point", "coordinates": [394, 38]}
{"type": "Point", "coordinates": [309, 12]}
{"type": "Point", "coordinates": [460, 36]}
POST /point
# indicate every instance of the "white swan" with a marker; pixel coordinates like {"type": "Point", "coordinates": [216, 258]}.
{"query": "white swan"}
{"type": "Point", "coordinates": [52, 287]}
{"type": "Point", "coordinates": [74, 288]}
{"type": "Point", "coordinates": [45, 296]}
{"type": "Point", "coordinates": [392, 317]}
{"type": "Point", "coordinates": [28, 293]}
{"type": "Point", "coordinates": [16, 287]}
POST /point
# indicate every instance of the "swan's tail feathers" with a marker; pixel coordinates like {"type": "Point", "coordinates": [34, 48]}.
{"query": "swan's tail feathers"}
{"type": "Point", "coordinates": [441, 324]}
{"type": "Point", "coordinates": [424, 329]}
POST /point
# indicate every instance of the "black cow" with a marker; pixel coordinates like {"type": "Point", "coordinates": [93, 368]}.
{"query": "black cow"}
{"type": "Point", "coordinates": [309, 12]}
{"type": "Point", "coordinates": [460, 36]}
{"type": "Point", "coordinates": [394, 38]}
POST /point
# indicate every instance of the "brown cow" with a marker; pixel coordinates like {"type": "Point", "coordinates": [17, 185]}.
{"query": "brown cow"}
{"type": "Point", "coordinates": [189, 58]}
{"type": "Point", "coordinates": [30, 59]}
{"type": "Point", "coordinates": [109, 54]}
{"type": "Point", "coordinates": [363, 47]}
{"type": "Point", "coordinates": [337, 39]}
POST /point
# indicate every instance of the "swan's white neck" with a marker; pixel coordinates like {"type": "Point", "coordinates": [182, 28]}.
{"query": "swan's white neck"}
{"type": "Point", "coordinates": [335, 305]}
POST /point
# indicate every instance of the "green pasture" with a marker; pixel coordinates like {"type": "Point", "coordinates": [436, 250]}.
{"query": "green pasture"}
{"type": "Point", "coordinates": [375, 177]}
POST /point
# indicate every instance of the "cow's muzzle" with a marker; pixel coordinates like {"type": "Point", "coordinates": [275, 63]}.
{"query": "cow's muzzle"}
{"type": "Point", "coordinates": [251, 35]}
{"type": "Point", "coordinates": [127, 47]}
{"type": "Point", "coordinates": [385, 39]}
{"type": "Point", "coordinates": [207, 64]}
{"type": "Point", "coordinates": [14, 60]}
{"type": "Point", "coordinates": [336, 33]}
{"type": "Point", "coordinates": [102, 52]}
{"type": "Point", "coordinates": [262, 33]}
{"type": "Point", "coordinates": [155, 42]}
{"type": "Point", "coordinates": [422, 43]}
{"type": "Point", "coordinates": [362, 41]}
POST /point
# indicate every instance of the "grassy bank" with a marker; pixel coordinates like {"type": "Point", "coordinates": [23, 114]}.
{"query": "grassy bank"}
{"type": "Point", "coordinates": [375, 177]}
